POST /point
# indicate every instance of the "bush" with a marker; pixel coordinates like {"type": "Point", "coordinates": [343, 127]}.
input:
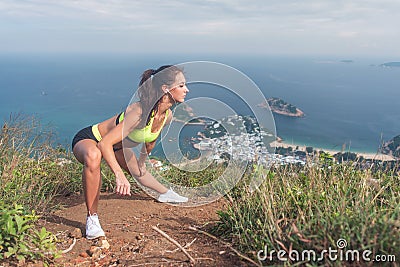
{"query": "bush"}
{"type": "Point", "coordinates": [19, 240]}
{"type": "Point", "coordinates": [32, 170]}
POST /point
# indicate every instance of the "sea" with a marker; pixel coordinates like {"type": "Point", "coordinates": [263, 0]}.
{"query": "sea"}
{"type": "Point", "coordinates": [350, 103]}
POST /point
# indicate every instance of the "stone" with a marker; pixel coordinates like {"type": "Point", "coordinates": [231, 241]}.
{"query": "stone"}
{"type": "Point", "coordinates": [76, 233]}
{"type": "Point", "coordinates": [105, 244]}
{"type": "Point", "coordinates": [83, 255]}
{"type": "Point", "coordinates": [94, 252]}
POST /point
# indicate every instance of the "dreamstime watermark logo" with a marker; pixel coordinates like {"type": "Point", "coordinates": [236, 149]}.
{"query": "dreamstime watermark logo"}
{"type": "Point", "coordinates": [330, 254]}
{"type": "Point", "coordinates": [234, 120]}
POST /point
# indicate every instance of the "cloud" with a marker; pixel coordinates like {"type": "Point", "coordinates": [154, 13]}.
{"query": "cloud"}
{"type": "Point", "coordinates": [348, 34]}
{"type": "Point", "coordinates": [272, 23]}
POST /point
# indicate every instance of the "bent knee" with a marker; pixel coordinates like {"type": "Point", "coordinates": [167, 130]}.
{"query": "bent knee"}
{"type": "Point", "coordinates": [92, 157]}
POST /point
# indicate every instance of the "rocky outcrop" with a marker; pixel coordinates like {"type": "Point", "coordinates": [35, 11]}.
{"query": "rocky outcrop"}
{"type": "Point", "coordinates": [281, 107]}
{"type": "Point", "coordinates": [392, 147]}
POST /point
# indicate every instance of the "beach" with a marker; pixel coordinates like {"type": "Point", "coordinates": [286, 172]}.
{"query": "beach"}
{"type": "Point", "coordinates": [370, 156]}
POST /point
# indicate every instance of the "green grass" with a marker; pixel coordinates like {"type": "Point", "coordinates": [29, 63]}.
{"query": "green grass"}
{"type": "Point", "coordinates": [310, 208]}
{"type": "Point", "coordinates": [33, 172]}
{"type": "Point", "coordinates": [31, 168]}
{"type": "Point", "coordinates": [19, 238]}
{"type": "Point", "coordinates": [193, 179]}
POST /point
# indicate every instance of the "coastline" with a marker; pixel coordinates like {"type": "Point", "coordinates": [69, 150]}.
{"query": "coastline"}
{"type": "Point", "coordinates": [200, 122]}
{"type": "Point", "coordinates": [298, 114]}
{"type": "Point", "coordinates": [370, 156]}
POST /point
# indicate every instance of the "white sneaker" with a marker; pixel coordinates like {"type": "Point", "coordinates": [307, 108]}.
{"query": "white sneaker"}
{"type": "Point", "coordinates": [93, 227]}
{"type": "Point", "coordinates": [172, 197]}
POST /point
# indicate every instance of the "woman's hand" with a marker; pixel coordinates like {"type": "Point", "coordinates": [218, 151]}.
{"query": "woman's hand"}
{"type": "Point", "coordinates": [123, 185]}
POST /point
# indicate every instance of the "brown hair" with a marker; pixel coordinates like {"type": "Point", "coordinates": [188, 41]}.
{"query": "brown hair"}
{"type": "Point", "coordinates": [150, 92]}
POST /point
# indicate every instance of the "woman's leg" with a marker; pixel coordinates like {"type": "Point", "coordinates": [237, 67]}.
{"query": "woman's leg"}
{"type": "Point", "coordinates": [128, 161]}
{"type": "Point", "coordinates": [89, 155]}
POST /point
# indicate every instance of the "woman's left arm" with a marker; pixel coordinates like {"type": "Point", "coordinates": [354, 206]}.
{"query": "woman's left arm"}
{"type": "Point", "coordinates": [148, 147]}
{"type": "Point", "coordinates": [169, 119]}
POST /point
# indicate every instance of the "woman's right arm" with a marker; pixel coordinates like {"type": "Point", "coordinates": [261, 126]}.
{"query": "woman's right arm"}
{"type": "Point", "coordinates": [114, 136]}
{"type": "Point", "coordinates": [123, 186]}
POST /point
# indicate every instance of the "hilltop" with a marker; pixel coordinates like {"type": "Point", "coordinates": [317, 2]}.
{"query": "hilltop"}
{"type": "Point", "coordinates": [359, 200]}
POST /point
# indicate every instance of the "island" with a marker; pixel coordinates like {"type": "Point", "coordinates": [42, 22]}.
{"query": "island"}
{"type": "Point", "coordinates": [391, 65]}
{"type": "Point", "coordinates": [184, 113]}
{"type": "Point", "coordinates": [392, 147]}
{"type": "Point", "coordinates": [281, 107]}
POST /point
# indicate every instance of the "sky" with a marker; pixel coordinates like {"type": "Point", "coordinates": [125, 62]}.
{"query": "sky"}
{"type": "Point", "coordinates": [281, 27]}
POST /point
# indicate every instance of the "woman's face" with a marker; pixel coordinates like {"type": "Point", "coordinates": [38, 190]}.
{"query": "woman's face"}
{"type": "Point", "coordinates": [179, 90]}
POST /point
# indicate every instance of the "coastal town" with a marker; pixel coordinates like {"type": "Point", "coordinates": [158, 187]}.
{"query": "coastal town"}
{"type": "Point", "coordinates": [245, 148]}
{"type": "Point", "coordinates": [240, 138]}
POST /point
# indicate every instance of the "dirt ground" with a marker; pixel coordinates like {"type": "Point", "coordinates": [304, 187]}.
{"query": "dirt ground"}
{"type": "Point", "coordinates": [128, 223]}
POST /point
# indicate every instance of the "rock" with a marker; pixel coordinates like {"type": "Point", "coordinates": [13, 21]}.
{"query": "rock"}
{"type": "Point", "coordinates": [140, 236]}
{"type": "Point", "coordinates": [132, 248]}
{"type": "Point", "coordinates": [83, 255]}
{"type": "Point", "coordinates": [76, 233]}
{"type": "Point", "coordinates": [105, 244]}
{"type": "Point", "coordinates": [392, 147]}
{"type": "Point", "coordinates": [94, 252]}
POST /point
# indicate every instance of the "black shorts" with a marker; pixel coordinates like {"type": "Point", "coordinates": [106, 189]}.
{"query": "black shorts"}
{"type": "Point", "coordinates": [85, 133]}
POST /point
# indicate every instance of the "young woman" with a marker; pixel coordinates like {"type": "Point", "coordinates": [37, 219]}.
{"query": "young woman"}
{"type": "Point", "coordinates": [142, 122]}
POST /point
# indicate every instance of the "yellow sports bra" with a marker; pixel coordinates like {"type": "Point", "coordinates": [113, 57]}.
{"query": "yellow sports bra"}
{"type": "Point", "coordinates": [143, 135]}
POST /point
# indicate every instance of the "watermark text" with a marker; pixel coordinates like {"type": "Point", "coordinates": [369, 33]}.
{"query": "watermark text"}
{"type": "Point", "coordinates": [340, 253]}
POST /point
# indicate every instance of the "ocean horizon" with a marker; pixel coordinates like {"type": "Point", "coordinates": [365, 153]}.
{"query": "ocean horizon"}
{"type": "Point", "coordinates": [348, 102]}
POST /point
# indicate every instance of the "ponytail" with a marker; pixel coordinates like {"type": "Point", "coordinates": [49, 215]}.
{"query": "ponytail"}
{"type": "Point", "coordinates": [150, 92]}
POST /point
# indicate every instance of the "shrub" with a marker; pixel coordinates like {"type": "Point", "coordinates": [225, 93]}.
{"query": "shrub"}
{"type": "Point", "coordinates": [20, 240]}
{"type": "Point", "coordinates": [32, 170]}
